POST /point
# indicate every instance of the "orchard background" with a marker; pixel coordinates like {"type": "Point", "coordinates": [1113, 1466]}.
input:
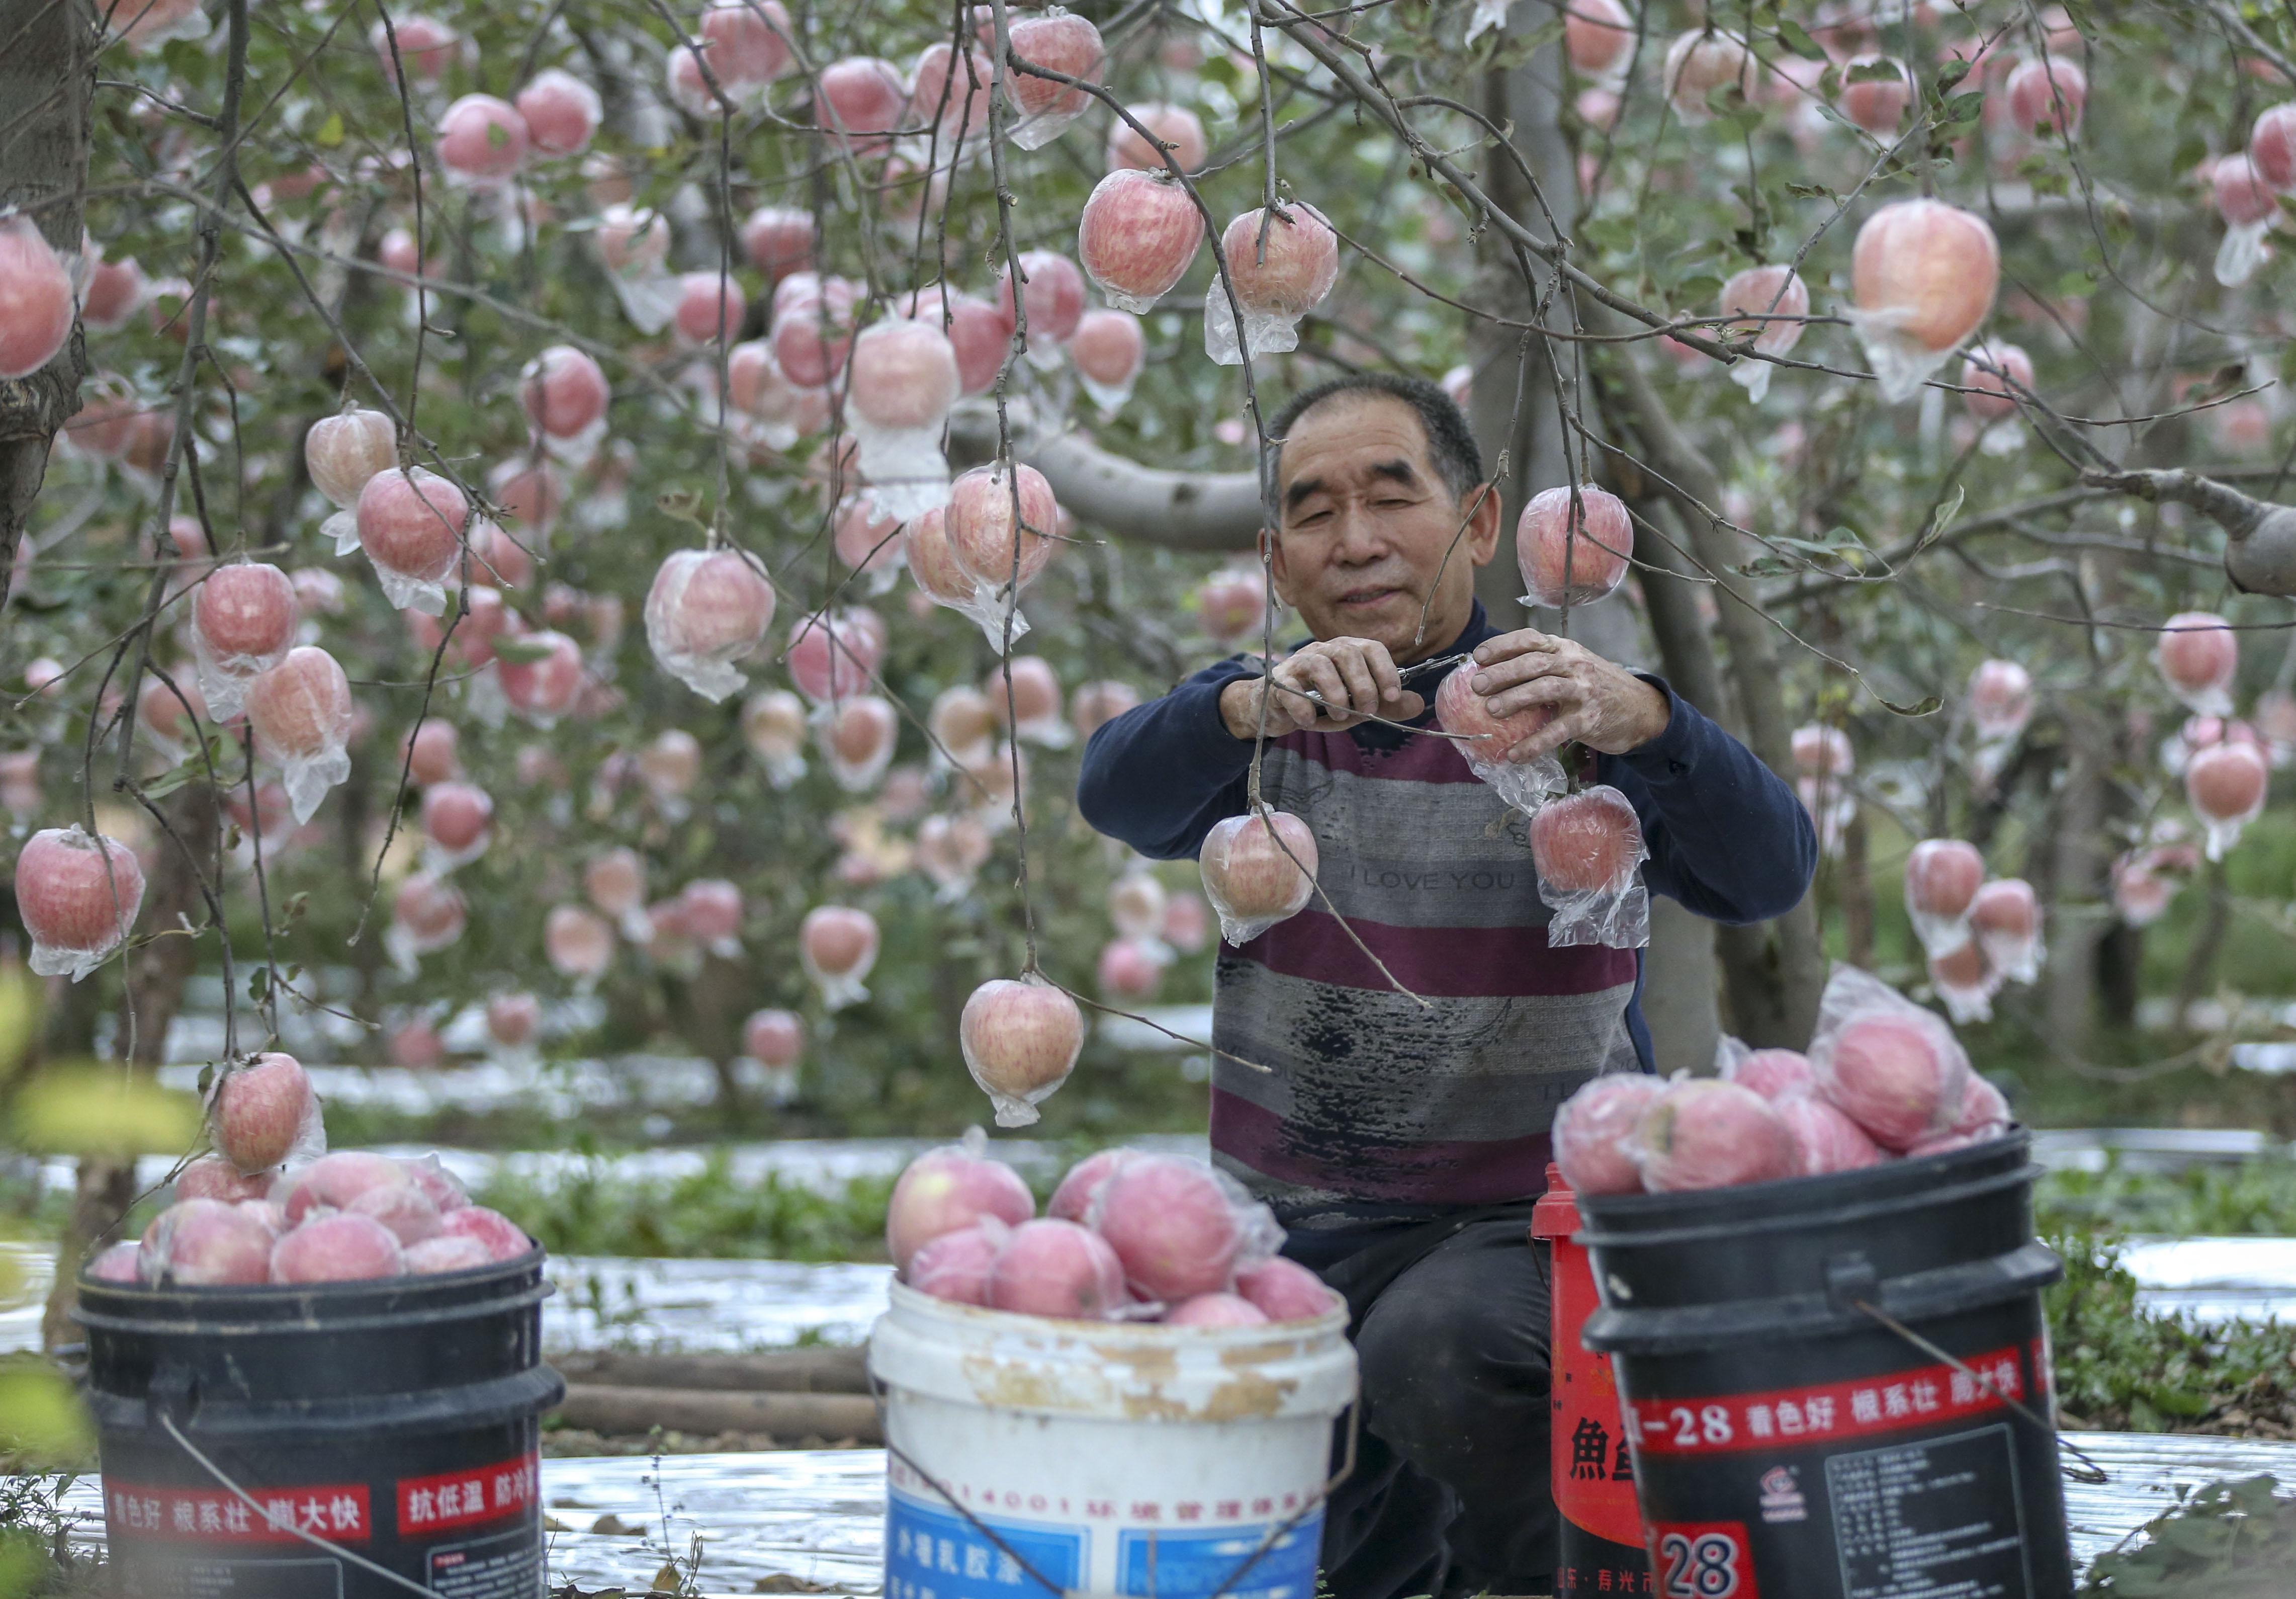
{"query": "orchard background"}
{"type": "Point", "coordinates": [1521, 209]}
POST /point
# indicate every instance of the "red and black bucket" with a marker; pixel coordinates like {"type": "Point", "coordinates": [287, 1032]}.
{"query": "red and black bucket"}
{"type": "Point", "coordinates": [1838, 1387]}
{"type": "Point", "coordinates": [1599, 1542]}
{"type": "Point", "coordinates": [345, 1441]}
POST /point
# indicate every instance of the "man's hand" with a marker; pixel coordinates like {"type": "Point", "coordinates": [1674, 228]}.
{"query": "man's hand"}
{"type": "Point", "coordinates": [1353, 678]}
{"type": "Point", "coordinates": [1594, 701]}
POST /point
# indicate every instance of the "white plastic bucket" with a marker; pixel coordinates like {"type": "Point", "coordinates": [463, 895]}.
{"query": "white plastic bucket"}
{"type": "Point", "coordinates": [1104, 1457]}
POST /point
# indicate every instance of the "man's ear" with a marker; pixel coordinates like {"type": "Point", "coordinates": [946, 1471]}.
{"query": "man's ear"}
{"type": "Point", "coordinates": [1482, 540]}
{"type": "Point", "coordinates": [1271, 550]}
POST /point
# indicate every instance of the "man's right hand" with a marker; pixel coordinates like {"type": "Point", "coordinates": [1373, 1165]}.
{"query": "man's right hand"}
{"type": "Point", "coordinates": [1353, 677]}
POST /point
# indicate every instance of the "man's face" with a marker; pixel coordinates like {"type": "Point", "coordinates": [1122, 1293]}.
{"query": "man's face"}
{"type": "Point", "coordinates": [1366, 525]}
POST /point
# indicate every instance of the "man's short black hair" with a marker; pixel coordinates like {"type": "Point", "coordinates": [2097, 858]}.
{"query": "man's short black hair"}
{"type": "Point", "coordinates": [1450, 441]}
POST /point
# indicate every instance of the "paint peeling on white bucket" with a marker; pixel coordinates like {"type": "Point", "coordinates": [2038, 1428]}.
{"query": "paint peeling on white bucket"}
{"type": "Point", "coordinates": [1099, 1457]}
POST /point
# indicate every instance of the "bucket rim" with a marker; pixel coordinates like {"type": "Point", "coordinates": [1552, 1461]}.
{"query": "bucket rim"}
{"type": "Point", "coordinates": [1627, 1220]}
{"type": "Point", "coordinates": [924, 1349]}
{"type": "Point", "coordinates": [1151, 1334]}
{"type": "Point", "coordinates": [140, 1308]}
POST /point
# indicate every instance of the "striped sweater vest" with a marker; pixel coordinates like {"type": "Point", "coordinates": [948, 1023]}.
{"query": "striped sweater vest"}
{"type": "Point", "coordinates": [1370, 1098]}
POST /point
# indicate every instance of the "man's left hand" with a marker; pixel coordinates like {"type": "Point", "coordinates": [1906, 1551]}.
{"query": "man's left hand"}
{"type": "Point", "coordinates": [1594, 701]}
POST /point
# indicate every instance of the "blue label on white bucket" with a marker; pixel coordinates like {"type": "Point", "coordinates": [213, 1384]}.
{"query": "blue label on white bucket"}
{"type": "Point", "coordinates": [935, 1554]}
{"type": "Point", "coordinates": [1206, 1561]}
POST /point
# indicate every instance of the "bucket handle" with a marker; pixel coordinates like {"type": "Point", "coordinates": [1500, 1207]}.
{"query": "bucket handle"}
{"type": "Point", "coordinates": [2087, 1471]}
{"type": "Point", "coordinates": [312, 1539]}
{"type": "Point", "coordinates": [1227, 1584]}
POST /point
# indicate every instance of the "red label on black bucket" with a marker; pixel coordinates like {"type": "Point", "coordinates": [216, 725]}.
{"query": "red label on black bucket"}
{"type": "Point", "coordinates": [1899, 1402]}
{"type": "Point", "coordinates": [338, 1513]}
{"type": "Point", "coordinates": [428, 1505]}
{"type": "Point", "coordinates": [1907, 1484]}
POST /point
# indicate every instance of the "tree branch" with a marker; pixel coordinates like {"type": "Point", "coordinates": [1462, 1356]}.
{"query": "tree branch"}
{"type": "Point", "coordinates": [1204, 511]}
{"type": "Point", "coordinates": [2239, 515]}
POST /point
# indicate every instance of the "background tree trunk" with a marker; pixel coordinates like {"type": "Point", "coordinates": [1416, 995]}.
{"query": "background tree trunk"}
{"type": "Point", "coordinates": [155, 975]}
{"type": "Point", "coordinates": [1529, 435]}
{"type": "Point", "coordinates": [1772, 994]}
{"type": "Point", "coordinates": [716, 1002]}
{"type": "Point", "coordinates": [1679, 999]}
{"type": "Point", "coordinates": [47, 78]}
{"type": "Point", "coordinates": [2076, 874]}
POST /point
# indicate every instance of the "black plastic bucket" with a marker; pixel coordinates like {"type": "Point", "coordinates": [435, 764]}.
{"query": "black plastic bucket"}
{"type": "Point", "coordinates": [397, 1419]}
{"type": "Point", "coordinates": [1788, 1442]}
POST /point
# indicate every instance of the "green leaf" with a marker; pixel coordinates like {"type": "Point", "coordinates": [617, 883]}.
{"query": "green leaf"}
{"type": "Point", "coordinates": [2254, 1495]}
{"type": "Point", "coordinates": [1795, 37]}
{"type": "Point", "coordinates": [20, 997]}
{"type": "Point", "coordinates": [92, 1109]}
{"type": "Point", "coordinates": [330, 132]}
{"type": "Point", "coordinates": [1951, 73]}
{"type": "Point", "coordinates": [1813, 191]}
{"type": "Point", "coordinates": [1948, 509]}
{"type": "Point", "coordinates": [2180, 1401]}
{"type": "Point", "coordinates": [2194, 1535]}
{"type": "Point", "coordinates": [1925, 707]}
{"type": "Point", "coordinates": [683, 504]}
{"type": "Point", "coordinates": [1965, 107]}
{"type": "Point", "coordinates": [173, 779]}
{"type": "Point", "coordinates": [40, 1414]}
{"type": "Point", "coordinates": [1697, 290]}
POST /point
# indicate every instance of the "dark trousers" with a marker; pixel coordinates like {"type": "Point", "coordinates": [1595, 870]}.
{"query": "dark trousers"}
{"type": "Point", "coordinates": [1449, 1494]}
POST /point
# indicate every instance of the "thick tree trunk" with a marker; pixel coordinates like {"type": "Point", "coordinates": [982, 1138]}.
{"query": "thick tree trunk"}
{"type": "Point", "coordinates": [1527, 438]}
{"type": "Point", "coordinates": [1719, 981]}
{"type": "Point", "coordinates": [1773, 1000]}
{"type": "Point", "coordinates": [154, 993]}
{"type": "Point", "coordinates": [47, 78]}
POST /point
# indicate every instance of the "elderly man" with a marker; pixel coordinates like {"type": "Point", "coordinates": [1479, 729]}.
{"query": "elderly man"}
{"type": "Point", "coordinates": [1402, 1144]}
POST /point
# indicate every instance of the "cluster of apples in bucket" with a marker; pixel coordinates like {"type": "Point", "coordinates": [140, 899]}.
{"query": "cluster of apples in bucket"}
{"type": "Point", "coordinates": [269, 1205]}
{"type": "Point", "coordinates": [1128, 1236]}
{"type": "Point", "coordinates": [1883, 1079]}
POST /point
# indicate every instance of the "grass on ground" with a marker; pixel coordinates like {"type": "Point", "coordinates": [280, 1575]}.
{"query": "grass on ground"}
{"type": "Point", "coordinates": [590, 1212]}
{"type": "Point", "coordinates": [2120, 1368]}
{"type": "Point", "coordinates": [2240, 1200]}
